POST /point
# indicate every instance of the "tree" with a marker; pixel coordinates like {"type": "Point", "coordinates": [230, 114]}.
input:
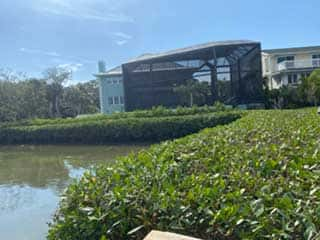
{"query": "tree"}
{"type": "Point", "coordinates": [9, 75]}
{"type": "Point", "coordinates": [193, 91]}
{"type": "Point", "coordinates": [311, 87]}
{"type": "Point", "coordinates": [91, 99]}
{"type": "Point", "coordinates": [9, 94]}
{"type": "Point", "coordinates": [82, 98]}
{"type": "Point", "coordinates": [23, 98]}
{"type": "Point", "coordinates": [8, 100]}
{"type": "Point", "coordinates": [33, 99]}
{"type": "Point", "coordinates": [55, 78]}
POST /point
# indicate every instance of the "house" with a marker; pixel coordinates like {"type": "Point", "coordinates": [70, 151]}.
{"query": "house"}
{"type": "Point", "coordinates": [110, 89]}
{"type": "Point", "coordinates": [232, 70]}
{"type": "Point", "coordinates": [286, 66]}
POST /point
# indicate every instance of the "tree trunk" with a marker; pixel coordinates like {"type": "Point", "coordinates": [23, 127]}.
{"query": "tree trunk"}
{"type": "Point", "coordinates": [191, 99]}
{"type": "Point", "coordinates": [51, 112]}
{"type": "Point", "coordinates": [56, 104]}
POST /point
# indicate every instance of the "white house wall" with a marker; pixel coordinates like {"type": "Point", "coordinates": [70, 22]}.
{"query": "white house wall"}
{"type": "Point", "coordinates": [272, 71]}
{"type": "Point", "coordinates": [111, 87]}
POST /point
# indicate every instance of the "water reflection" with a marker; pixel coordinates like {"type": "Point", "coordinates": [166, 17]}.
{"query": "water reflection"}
{"type": "Point", "coordinates": [32, 177]}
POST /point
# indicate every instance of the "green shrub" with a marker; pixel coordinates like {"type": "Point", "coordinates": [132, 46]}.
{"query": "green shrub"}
{"type": "Point", "coordinates": [154, 112]}
{"type": "Point", "coordinates": [115, 130]}
{"type": "Point", "coordinates": [257, 178]}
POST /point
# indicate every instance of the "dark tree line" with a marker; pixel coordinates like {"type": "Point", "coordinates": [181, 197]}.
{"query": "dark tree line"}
{"type": "Point", "coordinates": [46, 97]}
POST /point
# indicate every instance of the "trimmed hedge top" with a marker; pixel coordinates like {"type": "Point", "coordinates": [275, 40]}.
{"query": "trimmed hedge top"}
{"type": "Point", "coordinates": [154, 112]}
{"type": "Point", "coordinates": [126, 130]}
{"type": "Point", "coordinates": [257, 178]}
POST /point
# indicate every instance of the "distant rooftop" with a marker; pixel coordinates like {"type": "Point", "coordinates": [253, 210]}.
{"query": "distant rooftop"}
{"type": "Point", "coordinates": [292, 50]}
{"type": "Point", "coordinates": [112, 72]}
{"type": "Point", "coordinates": [147, 56]}
{"type": "Point", "coordinates": [115, 71]}
{"type": "Point", "coordinates": [118, 70]}
{"type": "Point", "coordinates": [192, 48]}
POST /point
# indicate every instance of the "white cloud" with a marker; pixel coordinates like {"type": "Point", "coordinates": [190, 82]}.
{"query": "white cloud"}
{"type": "Point", "coordinates": [38, 51]}
{"type": "Point", "coordinates": [121, 38]}
{"type": "Point", "coordinates": [98, 10]}
{"type": "Point", "coordinates": [57, 57]}
{"type": "Point", "coordinates": [122, 35]}
{"type": "Point", "coordinates": [121, 42]}
{"type": "Point", "coordinates": [74, 67]}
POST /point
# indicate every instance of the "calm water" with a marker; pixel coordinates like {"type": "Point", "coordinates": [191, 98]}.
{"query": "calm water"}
{"type": "Point", "coordinates": [32, 178]}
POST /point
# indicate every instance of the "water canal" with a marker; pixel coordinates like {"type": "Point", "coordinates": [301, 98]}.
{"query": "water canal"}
{"type": "Point", "coordinates": [33, 177]}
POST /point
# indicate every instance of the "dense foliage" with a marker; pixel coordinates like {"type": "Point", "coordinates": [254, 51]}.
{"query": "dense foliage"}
{"type": "Point", "coordinates": [108, 130]}
{"type": "Point", "coordinates": [154, 112]}
{"type": "Point", "coordinates": [305, 93]}
{"type": "Point", "coordinates": [256, 178]}
{"type": "Point", "coordinates": [24, 98]}
{"type": "Point", "coordinates": [312, 87]}
{"type": "Point", "coordinates": [193, 92]}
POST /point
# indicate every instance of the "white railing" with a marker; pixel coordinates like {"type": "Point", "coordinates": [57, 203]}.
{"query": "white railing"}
{"type": "Point", "coordinates": [287, 65]}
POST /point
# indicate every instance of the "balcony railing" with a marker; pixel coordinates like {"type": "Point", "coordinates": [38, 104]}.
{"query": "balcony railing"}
{"type": "Point", "coordinates": [287, 65]}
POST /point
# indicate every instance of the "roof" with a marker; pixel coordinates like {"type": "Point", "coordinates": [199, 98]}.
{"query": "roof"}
{"type": "Point", "coordinates": [147, 56]}
{"type": "Point", "coordinates": [115, 71]}
{"type": "Point", "coordinates": [118, 70]}
{"type": "Point", "coordinates": [292, 50]}
{"type": "Point", "coordinates": [112, 72]}
{"type": "Point", "coordinates": [192, 48]}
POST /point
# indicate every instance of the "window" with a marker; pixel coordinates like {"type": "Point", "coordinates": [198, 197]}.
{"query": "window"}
{"type": "Point", "coordinates": [110, 100]}
{"type": "Point", "coordinates": [292, 78]}
{"type": "Point", "coordinates": [116, 100]}
{"type": "Point", "coordinates": [121, 100]}
{"type": "Point", "coordinates": [285, 58]}
{"type": "Point", "coordinates": [316, 60]}
{"type": "Point", "coordinates": [115, 80]}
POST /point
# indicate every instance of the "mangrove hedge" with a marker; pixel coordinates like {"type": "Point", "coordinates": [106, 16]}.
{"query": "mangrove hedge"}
{"type": "Point", "coordinates": [109, 130]}
{"type": "Point", "coordinates": [151, 113]}
{"type": "Point", "coordinates": [256, 178]}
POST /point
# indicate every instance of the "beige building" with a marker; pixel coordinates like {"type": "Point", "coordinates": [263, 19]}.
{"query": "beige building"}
{"type": "Point", "coordinates": [282, 67]}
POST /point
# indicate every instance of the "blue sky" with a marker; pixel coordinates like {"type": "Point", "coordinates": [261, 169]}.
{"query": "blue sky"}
{"type": "Point", "coordinates": [37, 34]}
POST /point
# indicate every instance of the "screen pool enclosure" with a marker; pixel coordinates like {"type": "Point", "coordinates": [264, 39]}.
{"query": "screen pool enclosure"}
{"type": "Point", "coordinates": [230, 71]}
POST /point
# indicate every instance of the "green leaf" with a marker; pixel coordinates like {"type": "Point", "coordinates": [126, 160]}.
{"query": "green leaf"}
{"type": "Point", "coordinates": [240, 221]}
{"type": "Point", "coordinates": [135, 230]}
